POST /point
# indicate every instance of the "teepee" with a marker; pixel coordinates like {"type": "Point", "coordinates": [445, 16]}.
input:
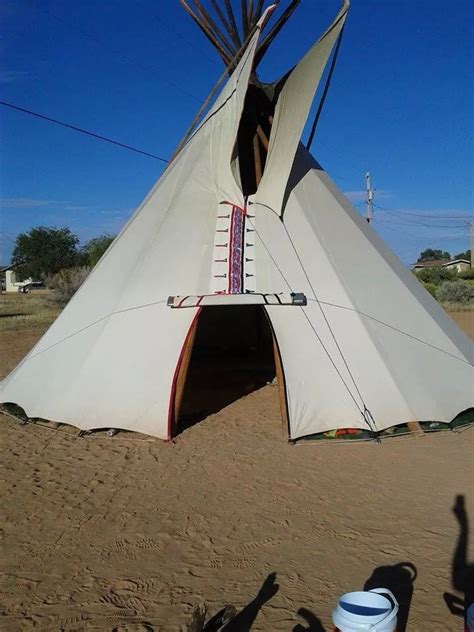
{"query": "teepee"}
{"type": "Point", "coordinates": [245, 222]}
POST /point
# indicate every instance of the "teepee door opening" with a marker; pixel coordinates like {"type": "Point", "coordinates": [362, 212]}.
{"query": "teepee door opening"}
{"type": "Point", "coordinates": [229, 353]}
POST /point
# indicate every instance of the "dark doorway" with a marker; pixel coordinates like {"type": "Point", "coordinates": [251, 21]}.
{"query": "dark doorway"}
{"type": "Point", "coordinates": [232, 356]}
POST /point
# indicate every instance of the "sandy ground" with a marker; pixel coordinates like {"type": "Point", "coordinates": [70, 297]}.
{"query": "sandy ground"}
{"type": "Point", "coordinates": [128, 533]}
{"type": "Point", "coordinates": [465, 320]}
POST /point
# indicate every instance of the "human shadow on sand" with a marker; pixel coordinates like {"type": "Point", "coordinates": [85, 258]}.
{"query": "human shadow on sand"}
{"type": "Point", "coordinates": [399, 579]}
{"type": "Point", "coordinates": [243, 620]}
{"type": "Point", "coordinates": [228, 619]}
{"type": "Point", "coordinates": [462, 572]}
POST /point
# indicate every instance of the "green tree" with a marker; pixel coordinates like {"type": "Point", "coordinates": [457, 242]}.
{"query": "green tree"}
{"type": "Point", "coordinates": [93, 250]}
{"type": "Point", "coordinates": [43, 251]}
{"type": "Point", "coordinates": [429, 254]}
{"type": "Point", "coordinates": [463, 255]}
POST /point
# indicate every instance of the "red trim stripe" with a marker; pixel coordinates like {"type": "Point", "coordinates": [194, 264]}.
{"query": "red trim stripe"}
{"type": "Point", "coordinates": [182, 301]}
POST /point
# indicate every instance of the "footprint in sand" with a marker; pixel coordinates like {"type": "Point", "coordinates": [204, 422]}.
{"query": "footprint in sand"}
{"type": "Point", "coordinates": [252, 546]}
{"type": "Point", "coordinates": [148, 544]}
{"type": "Point", "coordinates": [346, 535]}
{"type": "Point", "coordinates": [121, 544]}
{"type": "Point", "coordinates": [134, 627]}
{"type": "Point", "coordinates": [127, 605]}
{"type": "Point", "coordinates": [244, 563]}
{"type": "Point", "coordinates": [215, 562]}
{"type": "Point", "coordinates": [298, 511]}
{"type": "Point", "coordinates": [390, 550]}
{"type": "Point", "coordinates": [127, 585]}
{"type": "Point", "coordinates": [137, 585]}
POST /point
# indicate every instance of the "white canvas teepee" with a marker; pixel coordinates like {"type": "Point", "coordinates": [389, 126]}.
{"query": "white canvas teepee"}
{"type": "Point", "coordinates": [371, 348]}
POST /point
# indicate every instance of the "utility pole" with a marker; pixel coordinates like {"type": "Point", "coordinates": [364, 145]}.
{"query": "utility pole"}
{"type": "Point", "coordinates": [369, 196]}
{"type": "Point", "coordinates": [471, 226]}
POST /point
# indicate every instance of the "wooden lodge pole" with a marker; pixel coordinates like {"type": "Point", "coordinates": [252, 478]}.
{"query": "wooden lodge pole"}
{"type": "Point", "coordinates": [414, 426]}
{"type": "Point", "coordinates": [258, 159]}
{"type": "Point", "coordinates": [280, 378]}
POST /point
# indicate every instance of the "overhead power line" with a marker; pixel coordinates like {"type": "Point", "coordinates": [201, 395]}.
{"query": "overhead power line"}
{"type": "Point", "coordinates": [82, 131]}
{"type": "Point", "coordinates": [391, 225]}
{"type": "Point", "coordinates": [175, 31]}
{"type": "Point", "coordinates": [5, 235]}
{"type": "Point", "coordinates": [125, 58]}
{"type": "Point", "coordinates": [441, 217]}
{"type": "Point", "coordinates": [406, 220]}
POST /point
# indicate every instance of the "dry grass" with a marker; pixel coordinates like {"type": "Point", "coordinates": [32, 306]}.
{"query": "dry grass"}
{"type": "Point", "coordinates": [24, 311]}
{"type": "Point", "coordinates": [458, 307]}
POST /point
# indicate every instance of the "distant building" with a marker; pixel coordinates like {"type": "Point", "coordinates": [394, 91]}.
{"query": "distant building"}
{"type": "Point", "coordinates": [457, 265]}
{"type": "Point", "coordinates": [11, 282]}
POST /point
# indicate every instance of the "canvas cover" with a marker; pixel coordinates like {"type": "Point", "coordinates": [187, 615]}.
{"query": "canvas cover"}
{"type": "Point", "coordinates": [370, 349]}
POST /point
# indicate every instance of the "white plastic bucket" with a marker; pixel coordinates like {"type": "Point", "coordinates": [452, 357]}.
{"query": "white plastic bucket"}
{"type": "Point", "coordinates": [470, 619]}
{"type": "Point", "coordinates": [366, 611]}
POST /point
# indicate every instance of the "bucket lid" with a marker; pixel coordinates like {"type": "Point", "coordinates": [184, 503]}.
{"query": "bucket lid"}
{"type": "Point", "coordinates": [364, 607]}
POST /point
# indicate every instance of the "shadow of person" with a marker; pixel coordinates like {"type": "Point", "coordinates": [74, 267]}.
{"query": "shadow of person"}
{"type": "Point", "coordinates": [312, 623]}
{"type": "Point", "coordinates": [462, 572]}
{"type": "Point", "coordinates": [243, 620]}
{"type": "Point", "coordinates": [400, 579]}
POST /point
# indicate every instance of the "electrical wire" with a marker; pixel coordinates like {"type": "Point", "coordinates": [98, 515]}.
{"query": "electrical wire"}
{"type": "Point", "coordinates": [7, 237]}
{"type": "Point", "coordinates": [117, 52]}
{"type": "Point", "coordinates": [380, 223]}
{"type": "Point", "coordinates": [384, 208]}
{"type": "Point", "coordinates": [440, 217]}
{"type": "Point", "coordinates": [171, 28]}
{"type": "Point", "coordinates": [405, 221]}
{"type": "Point", "coordinates": [82, 131]}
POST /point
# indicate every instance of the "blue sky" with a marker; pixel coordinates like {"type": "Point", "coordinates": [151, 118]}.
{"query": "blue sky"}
{"type": "Point", "coordinates": [400, 105]}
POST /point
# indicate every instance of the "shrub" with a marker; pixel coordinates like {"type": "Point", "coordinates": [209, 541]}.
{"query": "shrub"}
{"type": "Point", "coordinates": [436, 275]}
{"type": "Point", "coordinates": [431, 287]}
{"type": "Point", "coordinates": [455, 292]}
{"type": "Point", "coordinates": [466, 274]}
{"type": "Point", "coordinates": [66, 282]}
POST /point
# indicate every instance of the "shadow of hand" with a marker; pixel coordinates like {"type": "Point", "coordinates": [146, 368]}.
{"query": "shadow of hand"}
{"type": "Point", "coordinates": [459, 510]}
{"type": "Point", "coordinates": [269, 588]}
{"type": "Point", "coordinates": [312, 622]}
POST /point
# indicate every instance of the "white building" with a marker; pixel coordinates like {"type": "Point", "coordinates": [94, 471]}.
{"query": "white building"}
{"type": "Point", "coordinates": [458, 265]}
{"type": "Point", "coordinates": [11, 282]}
